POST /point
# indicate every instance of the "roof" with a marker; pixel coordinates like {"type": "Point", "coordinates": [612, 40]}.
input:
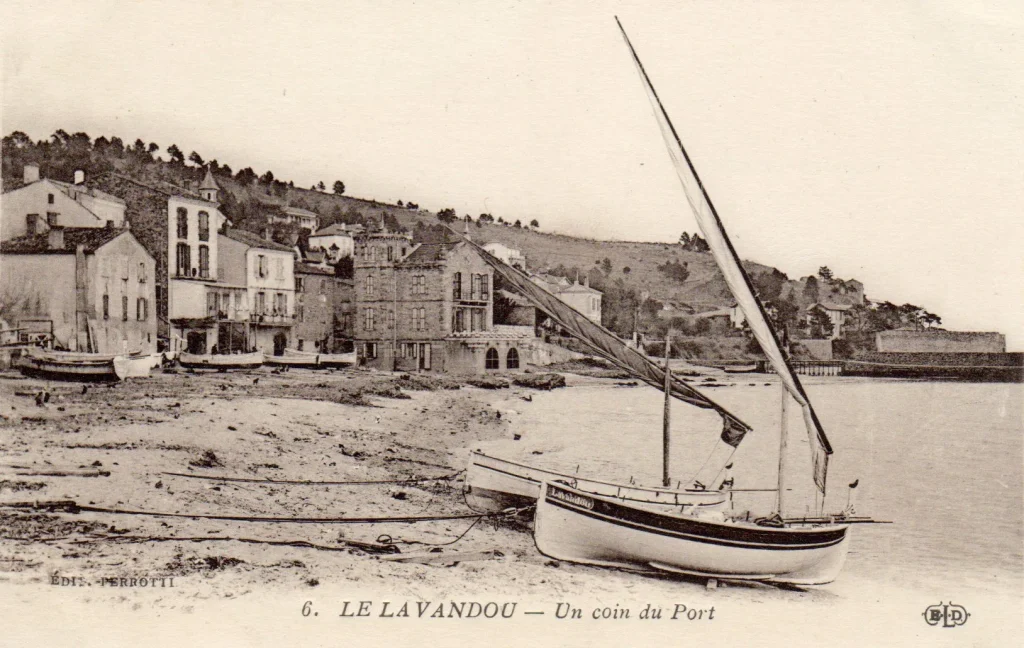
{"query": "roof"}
{"type": "Point", "coordinates": [579, 288]}
{"type": "Point", "coordinates": [299, 211]}
{"type": "Point", "coordinates": [427, 253]}
{"type": "Point", "coordinates": [309, 268]}
{"type": "Point", "coordinates": [208, 181]}
{"type": "Point", "coordinates": [830, 306]}
{"type": "Point", "coordinates": [90, 238]}
{"type": "Point", "coordinates": [162, 188]}
{"type": "Point", "coordinates": [84, 188]}
{"type": "Point", "coordinates": [255, 241]}
{"type": "Point", "coordinates": [334, 229]}
{"type": "Point", "coordinates": [315, 256]}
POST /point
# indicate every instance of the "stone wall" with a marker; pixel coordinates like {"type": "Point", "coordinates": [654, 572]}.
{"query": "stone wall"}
{"type": "Point", "coordinates": [939, 342]}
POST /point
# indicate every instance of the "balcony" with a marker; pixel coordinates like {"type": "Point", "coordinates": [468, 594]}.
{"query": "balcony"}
{"type": "Point", "coordinates": [272, 319]}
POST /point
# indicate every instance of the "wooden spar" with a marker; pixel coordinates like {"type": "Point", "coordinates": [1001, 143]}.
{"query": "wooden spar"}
{"type": "Point", "coordinates": [666, 427]}
{"type": "Point", "coordinates": [782, 448]}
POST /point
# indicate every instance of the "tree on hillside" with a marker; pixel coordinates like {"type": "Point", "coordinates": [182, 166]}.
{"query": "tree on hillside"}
{"type": "Point", "coordinates": [820, 325]}
{"type": "Point", "coordinates": [811, 290]}
{"type": "Point", "coordinates": [447, 215]}
{"type": "Point", "coordinates": [320, 186]}
{"type": "Point", "coordinates": [195, 159]}
{"type": "Point", "coordinates": [518, 223]}
{"type": "Point", "coordinates": [245, 176]}
{"type": "Point", "coordinates": [339, 188]}
{"type": "Point", "coordinates": [534, 223]}
{"type": "Point", "coordinates": [825, 274]}
{"type": "Point", "coordinates": [152, 149]}
{"type": "Point", "coordinates": [675, 270]}
{"type": "Point", "coordinates": [606, 265]}
{"type": "Point", "coordinates": [175, 154]}
{"type": "Point", "coordinates": [501, 221]}
{"type": "Point", "coordinates": [267, 178]}
{"type": "Point", "coordinates": [117, 146]}
{"type": "Point", "coordinates": [693, 243]}
{"type": "Point", "coordinates": [485, 218]}
{"type": "Point", "coordinates": [769, 284]}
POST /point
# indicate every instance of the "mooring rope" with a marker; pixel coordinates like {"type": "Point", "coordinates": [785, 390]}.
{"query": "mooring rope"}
{"type": "Point", "coordinates": [300, 482]}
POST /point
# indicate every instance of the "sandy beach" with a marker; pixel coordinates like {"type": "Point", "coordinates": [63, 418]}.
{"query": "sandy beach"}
{"type": "Point", "coordinates": [114, 446]}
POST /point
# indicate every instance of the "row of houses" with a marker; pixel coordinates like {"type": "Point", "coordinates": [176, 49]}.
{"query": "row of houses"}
{"type": "Point", "coordinates": [114, 265]}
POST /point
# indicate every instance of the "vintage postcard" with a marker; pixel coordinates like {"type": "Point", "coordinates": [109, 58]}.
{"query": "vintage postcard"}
{"type": "Point", "coordinates": [414, 324]}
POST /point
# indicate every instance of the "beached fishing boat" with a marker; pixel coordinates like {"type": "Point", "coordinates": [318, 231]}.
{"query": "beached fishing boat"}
{"type": "Point", "coordinates": [494, 484]}
{"type": "Point", "coordinates": [70, 365]}
{"type": "Point", "coordinates": [576, 525]}
{"type": "Point", "coordinates": [293, 361]}
{"type": "Point", "coordinates": [739, 369]}
{"type": "Point", "coordinates": [311, 360]}
{"type": "Point", "coordinates": [221, 361]}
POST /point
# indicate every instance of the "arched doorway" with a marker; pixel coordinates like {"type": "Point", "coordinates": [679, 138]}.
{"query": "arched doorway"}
{"type": "Point", "coordinates": [512, 359]}
{"type": "Point", "coordinates": [491, 361]}
{"type": "Point", "coordinates": [280, 342]}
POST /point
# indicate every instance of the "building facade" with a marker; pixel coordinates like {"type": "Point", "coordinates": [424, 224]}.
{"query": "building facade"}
{"type": "Point", "coordinates": [93, 288]}
{"type": "Point", "coordinates": [266, 270]}
{"type": "Point", "coordinates": [939, 341]}
{"type": "Point", "coordinates": [319, 308]}
{"type": "Point", "coordinates": [44, 203]}
{"type": "Point", "coordinates": [509, 255]}
{"type": "Point", "coordinates": [429, 308]}
{"type": "Point", "coordinates": [335, 240]}
{"type": "Point", "coordinates": [580, 296]}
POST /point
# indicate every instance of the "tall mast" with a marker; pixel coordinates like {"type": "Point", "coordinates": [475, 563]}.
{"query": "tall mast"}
{"type": "Point", "coordinates": [783, 431]}
{"type": "Point", "coordinates": [666, 430]}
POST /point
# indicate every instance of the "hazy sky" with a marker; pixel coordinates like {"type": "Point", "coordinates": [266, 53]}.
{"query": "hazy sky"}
{"type": "Point", "coordinates": [882, 139]}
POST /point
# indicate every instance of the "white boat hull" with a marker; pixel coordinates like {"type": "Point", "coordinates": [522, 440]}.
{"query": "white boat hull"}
{"type": "Point", "coordinates": [324, 360]}
{"type": "Point", "coordinates": [62, 365]}
{"type": "Point", "coordinates": [221, 362]}
{"type": "Point", "coordinates": [576, 526]}
{"type": "Point", "coordinates": [494, 485]}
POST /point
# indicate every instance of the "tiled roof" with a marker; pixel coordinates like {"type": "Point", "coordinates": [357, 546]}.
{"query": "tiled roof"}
{"type": "Point", "coordinates": [335, 229]}
{"type": "Point", "coordinates": [254, 240]}
{"type": "Point", "coordinates": [299, 211]}
{"type": "Point", "coordinates": [91, 238]}
{"type": "Point", "coordinates": [427, 253]}
{"type": "Point", "coordinates": [830, 306]}
{"type": "Point", "coordinates": [208, 181]}
{"type": "Point", "coordinates": [66, 187]}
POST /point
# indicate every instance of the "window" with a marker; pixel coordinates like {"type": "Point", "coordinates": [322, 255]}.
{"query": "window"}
{"type": "Point", "coordinates": [182, 223]}
{"type": "Point", "coordinates": [368, 286]}
{"type": "Point", "coordinates": [474, 286]}
{"type": "Point", "coordinates": [212, 304]}
{"type": "Point", "coordinates": [184, 260]}
{"type": "Point", "coordinates": [31, 224]}
{"type": "Point", "coordinates": [261, 266]}
{"type": "Point", "coordinates": [477, 320]}
{"type": "Point", "coordinates": [512, 359]}
{"type": "Point", "coordinates": [225, 303]}
{"type": "Point", "coordinates": [391, 252]}
{"type": "Point", "coordinates": [141, 309]}
{"type": "Point", "coordinates": [300, 314]}
{"type": "Point", "coordinates": [491, 362]}
{"type": "Point", "coordinates": [484, 288]}
{"type": "Point", "coordinates": [323, 286]}
{"type": "Point", "coordinates": [371, 350]}
{"type": "Point", "coordinates": [204, 261]}
{"type": "Point", "coordinates": [124, 308]}
{"type": "Point", "coordinates": [419, 285]}
{"type": "Point", "coordinates": [368, 319]}
{"type": "Point", "coordinates": [419, 319]}
{"type": "Point", "coordinates": [261, 303]}
{"type": "Point", "coordinates": [460, 320]}
{"type": "Point", "coordinates": [300, 285]}
{"type": "Point", "coordinates": [142, 273]}
{"type": "Point", "coordinates": [279, 268]}
{"type": "Point", "coordinates": [49, 198]}
{"type": "Point", "coordinates": [204, 226]}
{"type": "Point", "coordinates": [106, 307]}
{"type": "Point", "coordinates": [391, 319]}
{"type": "Point", "coordinates": [51, 219]}
{"type": "Point", "coordinates": [280, 304]}
{"type": "Point", "coordinates": [457, 285]}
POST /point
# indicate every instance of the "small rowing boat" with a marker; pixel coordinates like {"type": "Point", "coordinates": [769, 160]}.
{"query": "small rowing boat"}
{"type": "Point", "coordinates": [71, 365]}
{"type": "Point", "coordinates": [325, 360]}
{"type": "Point", "coordinates": [494, 484]}
{"type": "Point", "coordinates": [221, 361]}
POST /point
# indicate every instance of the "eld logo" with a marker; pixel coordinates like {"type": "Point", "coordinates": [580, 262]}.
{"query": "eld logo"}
{"type": "Point", "coordinates": [948, 616]}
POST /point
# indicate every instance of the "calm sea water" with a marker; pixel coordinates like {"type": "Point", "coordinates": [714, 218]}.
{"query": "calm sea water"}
{"type": "Point", "coordinates": [941, 460]}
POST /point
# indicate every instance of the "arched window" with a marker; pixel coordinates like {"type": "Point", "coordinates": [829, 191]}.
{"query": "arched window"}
{"type": "Point", "coordinates": [512, 360]}
{"type": "Point", "coordinates": [491, 361]}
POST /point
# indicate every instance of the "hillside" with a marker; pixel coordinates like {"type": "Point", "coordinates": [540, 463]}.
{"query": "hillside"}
{"type": "Point", "coordinates": [634, 276]}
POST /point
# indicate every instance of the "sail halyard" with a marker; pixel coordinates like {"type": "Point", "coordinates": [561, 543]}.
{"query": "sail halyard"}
{"type": "Point", "coordinates": [607, 345]}
{"type": "Point", "coordinates": [736, 277]}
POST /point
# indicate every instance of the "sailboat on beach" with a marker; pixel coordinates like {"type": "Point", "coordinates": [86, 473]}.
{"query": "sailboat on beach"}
{"type": "Point", "coordinates": [576, 525]}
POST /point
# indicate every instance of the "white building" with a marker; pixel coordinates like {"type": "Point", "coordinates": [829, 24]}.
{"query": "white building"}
{"type": "Point", "coordinates": [510, 256]}
{"type": "Point", "coordinates": [43, 203]}
{"type": "Point", "coordinates": [297, 216]}
{"type": "Point", "coordinates": [580, 296]}
{"type": "Point", "coordinates": [335, 240]}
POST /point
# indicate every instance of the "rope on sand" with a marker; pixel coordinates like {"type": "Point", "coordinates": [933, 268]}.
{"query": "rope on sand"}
{"type": "Point", "coordinates": [299, 482]}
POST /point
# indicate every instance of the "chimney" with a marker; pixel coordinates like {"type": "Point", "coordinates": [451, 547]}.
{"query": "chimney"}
{"type": "Point", "coordinates": [55, 238]}
{"type": "Point", "coordinates": [31, 173]}
{"type": "Point", "coordinates": [79, 177]}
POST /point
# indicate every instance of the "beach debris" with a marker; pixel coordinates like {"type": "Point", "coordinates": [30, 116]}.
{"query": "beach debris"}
{"type": "Point", "coordinates": [516, 437]}
{"type": "Point", "coordinates": [488, 382]}
{"type": "Point", "coordinates": [158, 484]}
{"type": "Point", "coordinates": [546, 381]}
{"type": "Point", "coordinates": [207, 460]}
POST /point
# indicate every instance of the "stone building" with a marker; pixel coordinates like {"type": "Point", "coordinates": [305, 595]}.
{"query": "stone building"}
{"type": "Point", "coordinates": [429, 307]}
{"type": "Point", "coordinates": [323, 318]}
{"type": "Point", "coordinates": [92, 287]}
{"type": "Point", "coordinates": [939, 341]}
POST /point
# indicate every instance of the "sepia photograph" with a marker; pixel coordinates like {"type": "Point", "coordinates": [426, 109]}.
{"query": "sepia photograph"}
{"type": "Point", "coordinates": [524, 323]}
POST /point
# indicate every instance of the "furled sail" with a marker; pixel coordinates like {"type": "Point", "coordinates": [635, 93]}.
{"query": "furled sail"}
{"type": "Point", "coordinates": [735, 276]}
{"type": "Point", "coordinates": [608, 346]}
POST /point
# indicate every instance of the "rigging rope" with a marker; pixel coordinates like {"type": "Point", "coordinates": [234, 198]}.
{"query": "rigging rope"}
{"type": "Point", "coordinates": [253, 480]}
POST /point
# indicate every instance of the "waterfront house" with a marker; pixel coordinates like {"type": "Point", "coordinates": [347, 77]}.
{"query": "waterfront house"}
{"type": "Point", "coordinates": [88, 289]}
{"type": "Point", "coordinates": [580, 296]}
{"type": "Point", "coordinates": [42, 203]}
{"type": "Point", "coordinates": [836, 314]}
{"type": "Point", "coordinates": [430, 307]}
{"type": "Point", "coordinates": [303, 218]}
{"type": "Point", "coordinates": [265, 271]}
{"type": "Point", "coordinates": [323, 309]}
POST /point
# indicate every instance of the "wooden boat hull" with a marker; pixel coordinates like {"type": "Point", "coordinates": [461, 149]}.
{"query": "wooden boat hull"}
{"type": "Point", "coordinates": [293, 362]}
{"type": "Point", "coordinates": [221, 362]}
{"type": "Point", "coordinates": [577, 526]}
{"type": "Point", "coordinates": [494, 484]}
{"type": "Point", "coordinates": [79, 367]}
{"type": "Point", "coordinates": [323, 360]}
